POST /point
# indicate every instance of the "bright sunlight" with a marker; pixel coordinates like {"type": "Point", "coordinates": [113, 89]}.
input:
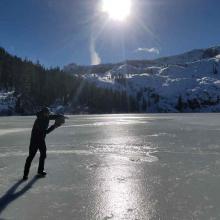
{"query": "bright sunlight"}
{"type": "Point", "coordinates": [118, 10]}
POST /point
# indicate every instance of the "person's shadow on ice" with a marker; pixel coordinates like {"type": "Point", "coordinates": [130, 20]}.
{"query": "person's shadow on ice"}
{"type": "Point", "coordinates": [12, 195]}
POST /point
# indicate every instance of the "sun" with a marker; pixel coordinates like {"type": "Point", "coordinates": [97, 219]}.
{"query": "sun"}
{"type": "Point", "coordinates": [118, 10]}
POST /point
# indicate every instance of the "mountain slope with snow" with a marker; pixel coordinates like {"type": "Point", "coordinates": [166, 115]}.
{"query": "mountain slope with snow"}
{"type": "Point", "coordinates": [7, 102]}
{"type": "Point", "coordinates": [183, 83]}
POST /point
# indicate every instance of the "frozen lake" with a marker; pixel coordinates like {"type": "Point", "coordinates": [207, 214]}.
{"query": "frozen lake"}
{"type": "Point", "coordinates": [130, 167]}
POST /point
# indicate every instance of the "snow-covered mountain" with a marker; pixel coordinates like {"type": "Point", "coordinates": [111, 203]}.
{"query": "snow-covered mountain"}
{"type": "Point", "coordinates": [186, 82]}
{"type": "Point", "coordinates": [7, 102]}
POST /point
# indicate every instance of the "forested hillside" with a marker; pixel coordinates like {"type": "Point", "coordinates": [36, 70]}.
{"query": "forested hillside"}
{"type": "Point", "coordinates": [32, 86]}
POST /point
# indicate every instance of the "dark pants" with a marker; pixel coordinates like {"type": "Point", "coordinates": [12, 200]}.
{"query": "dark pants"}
{"type": "Point", "coordinates": [36, 145]}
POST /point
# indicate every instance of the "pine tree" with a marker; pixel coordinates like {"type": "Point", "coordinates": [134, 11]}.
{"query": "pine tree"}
{"type": "Point", "coordinates": [215, 71]}
{"type": "Point", "coordinates": [144, 105]}
{"type": "Point", "coordinates": [180, 104]}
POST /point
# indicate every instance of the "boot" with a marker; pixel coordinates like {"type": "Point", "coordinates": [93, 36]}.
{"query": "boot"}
{"type": "Point", "coordinates": [42, 173]}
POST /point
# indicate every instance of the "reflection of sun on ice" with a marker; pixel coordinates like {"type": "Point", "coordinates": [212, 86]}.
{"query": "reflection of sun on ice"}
{"type": "Point", "coordinates": [117, 9]}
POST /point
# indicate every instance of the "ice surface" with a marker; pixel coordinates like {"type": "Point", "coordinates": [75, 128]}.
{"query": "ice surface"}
{"type": "Point", "coordinates": [153, 166]}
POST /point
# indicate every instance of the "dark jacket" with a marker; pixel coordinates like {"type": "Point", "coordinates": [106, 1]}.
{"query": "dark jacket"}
{"type": "Point", "coordinates": [40, 128]}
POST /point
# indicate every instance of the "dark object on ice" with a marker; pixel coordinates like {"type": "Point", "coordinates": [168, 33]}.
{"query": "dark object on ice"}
{"type": "Point", "coordinates": [25, 178]}
{"type": "Point", "coordinates": [42, 174]}
{"type": "Point", "coordinates": [37, 142]}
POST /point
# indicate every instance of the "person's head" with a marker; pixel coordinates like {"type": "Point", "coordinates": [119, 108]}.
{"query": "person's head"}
{"type": "Point", "coordinates": [45, 111]}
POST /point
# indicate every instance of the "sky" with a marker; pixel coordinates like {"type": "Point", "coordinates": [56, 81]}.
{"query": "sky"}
{"type": "Point", "coordinates": [59, 32]}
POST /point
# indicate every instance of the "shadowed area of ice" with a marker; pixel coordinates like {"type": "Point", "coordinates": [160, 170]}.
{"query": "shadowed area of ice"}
{"type": "Point", "coordinates": [123, 167]}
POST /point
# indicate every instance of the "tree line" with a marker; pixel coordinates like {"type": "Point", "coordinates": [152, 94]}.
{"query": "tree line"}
{"type": "Point", "coordinates": [36, 86]}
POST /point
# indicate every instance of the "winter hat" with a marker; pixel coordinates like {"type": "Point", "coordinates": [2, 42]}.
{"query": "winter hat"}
{"type": "Point", "coordinates": [45, 109]}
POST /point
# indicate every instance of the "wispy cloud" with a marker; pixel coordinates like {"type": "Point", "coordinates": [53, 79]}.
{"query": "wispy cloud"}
{"type": "Point", "coordinates": [95, 58]}
{"type": "Point", "coordinates": [148, 50]}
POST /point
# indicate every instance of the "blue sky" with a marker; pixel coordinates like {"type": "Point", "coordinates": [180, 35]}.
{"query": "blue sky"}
{"type": "Point", "coordinates": [59, 32]}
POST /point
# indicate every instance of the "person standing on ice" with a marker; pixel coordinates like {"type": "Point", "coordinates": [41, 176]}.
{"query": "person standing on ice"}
{"type": "Point", "coordinates": [38, 135]}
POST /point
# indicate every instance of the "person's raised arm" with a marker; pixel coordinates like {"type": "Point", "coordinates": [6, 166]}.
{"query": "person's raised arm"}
{"type": "Point", "coordinates": [51, 128]}
{"type": "Point", "coordinates": [59, 120]}
{"type": "Point", "coordinates": [54, 116]}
